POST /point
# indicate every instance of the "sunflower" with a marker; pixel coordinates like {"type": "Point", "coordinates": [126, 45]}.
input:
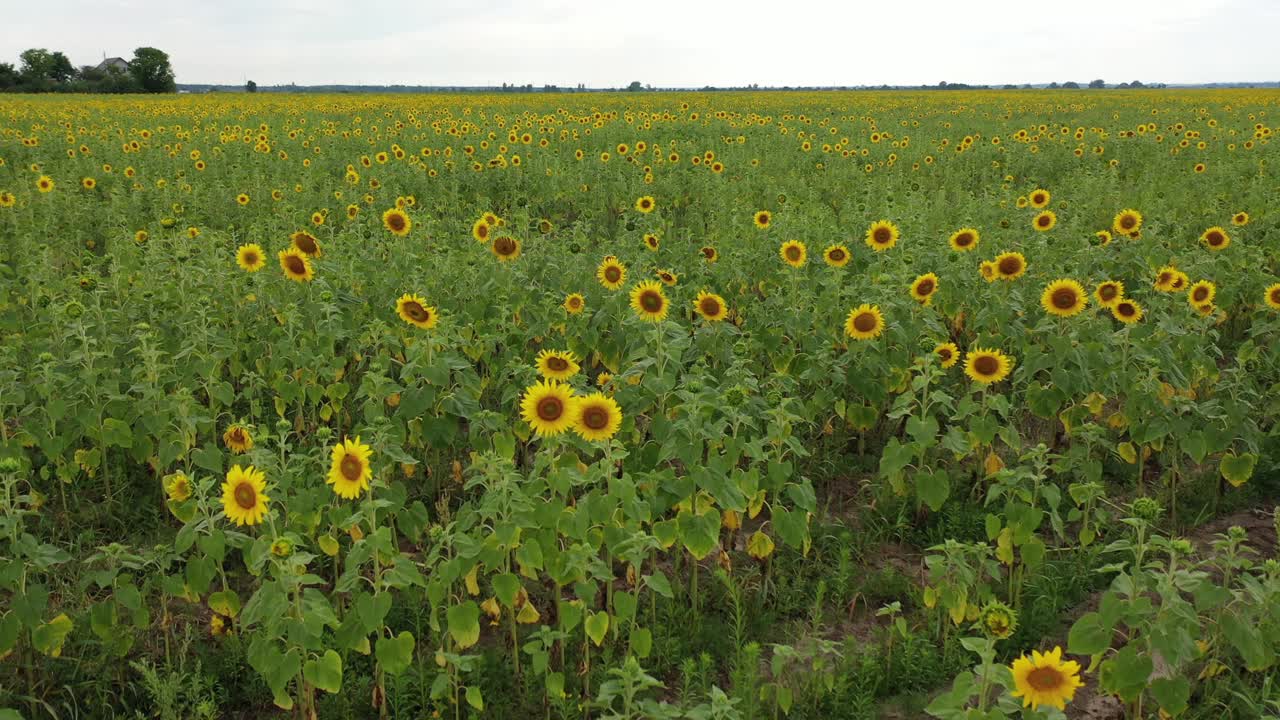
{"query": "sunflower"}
{"type": "Point", "coordinates": [480, 231]}
{"type": "Point", "coordinates": [1038, 198]}
{"type": "Point", "coordinates": [242, 199]}
{"type": "Point", "coordinates": [7, 200]}
{"type": "Point", "coordinates": [762, 219]}
{"type": "Point", "coordinates": [1202, 293]}
{"type": "Point", "coordinates": [1272, 296]}
{"type": "Point", "coordinates": [88, 183]}
{"type": "Point", "coordinates": [45, 184]}
{"type": "Point", "coordinates": [864, 322]}
{"type": "Point", "coordinates": [645, 204]}
{"type": "Point", "coordinates": [250, 257]}
{"type": "Point", "coordinates": [836, 256]}
{"type": "Point", "coordinates": [1045, 221]}
{"type": "Point", "coordinates": [710, 306]}
{"type": "Point", "coordinates": [505, 248]}
{"type": "Point", "coordinates": [548, 407]}
{"type": "Point", "coordinates": [882, 235]}
{"type": "Point", "coordinates": [557, 364]}
{"type": "Point", "coordinates": [574, 303]}
{"type": "Point", "coordinates": [986, 366]}
{"type": "Point", "coordinates": [178, 487]}
{"type": "Point", "coordinates": [1215, 238]}
{"type": "Point", "coordinates": [710, 254]}
{"type": "Point", "coordinates": [397, 222]}
{"type": "Point", "coordinates": [793, 253]}
{"type": "Point", "coordinates": [243, 499]}
{"type": "Point", "coordinates": [1240, 219]}
{"type": "Point", "coordinates": [651, 241]}
{"type": "Point", "coordinates": [1064, 298]}
{"type": "Point", "coordinates": [923, 288]}
{"type": "Point", "coordinates": [1127, 221]}
{"type": "Point", "coordinates": [611, 273]}
{"type": "Point", "coordinates": [596, 417]}
{"type": "Point", "coordinates": [414, 310]}
{"type": "Point", "coordinates": [1010, 265]}
{"type": "Point", "coordinates": [964, 239]}
{"type": "Point", "coordinates": [238, 438]}
{"type": "Point", "coordinates": [667, 277]}
{"type": "Point", "coordinates": [1044, 679]}
{"type": "Point", "coordinates": [649, 301]}
{"type": "Point", "coordinates": [296, 266]}
{"type": "Point", "coordinates": [1126, 311]}
{"type": "Point", "coordinates": [1108, 292]}
{"type": "Point", "coordinates": [1103, 236]}
{"type": "Point", "coordinates": [1179, 282]}
{"type": "Point", "coordinates": [306, 243]}
{"type": "Point", "coordinates": [349, 471]}
{"type": "Point", "coordinates": [947, 353]}
{"type": "Point", "coordinates": [317, 218]}
{"type": "Point", "coordinates": [998, 620]}
{"type": "Point", "coordinates": [988, 271]}
{"type": "Point", "coordinates": [141, 236]}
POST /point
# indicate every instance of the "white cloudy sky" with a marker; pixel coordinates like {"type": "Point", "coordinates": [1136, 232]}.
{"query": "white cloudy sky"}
{"type": "Point", "coordinates": [665, 42]}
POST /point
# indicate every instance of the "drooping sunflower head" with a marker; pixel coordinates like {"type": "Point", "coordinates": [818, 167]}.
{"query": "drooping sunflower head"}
{"type": "Point", "coordinates": [574, 303]}
{"type": "Point", "coordinates": [1010, 265]}
{"type": "Point", "coordinates": [987, 366]}
{"type": "Point", "coordinates": [651, 241]}
{"type": "Point", "coordinates": [793, 253]}
{"type": "Point", "coordinates": [250, 257]}
{"type": "Point", "coordinates": [1045, 679]}
{"type": "Point", "coordinates": [1126, 311]}
{"type": "Point", "coordinates": [481, 230]}
{"type": "Point", "coordinates": [611, 273]}
{"type": "Point", "coordinates": [1202, 293]}
{"type": "Point", "coordinates": [836, 256]}
{"type": "Point", "coordinates": [924, 287]}
{"type": "Point", "coordinates": [178, 487]}
{"type": "Point", "coordinates": [964, 240]}
{"type": "Point", "coordinates": [947, 354]}
{"type": "Point", "coordinates": [413, 309]}
{"type": "Point", "coordinates": [1215, 238]}
{"type": "Point", "coordinates": [649, 301]}
{"type": "Point", "coordinates": [557, 364]}
{"type": "Point", "coordinates": [238, 438]}
{"type": "Point", "coordinates": [396, 222]}
{"type": "Point", "coordinates": [1044, 220]}
{"type": "Point", "coordinates": [1272, 296]}
{"type": "Point", "coordinates": [1103, 237]}
{"type": "Point", "coordinates": [1127, 221]}
{"type": "Point", "coordinates": [596, 417]}
{"type": "Point", "coordinates": [1064, 298]}
{"type": "Point", "coordinates": [762, 219]}
{"type": "Point", "coordinates": [882, 235]}
{"type": "Point", "coordinates": [244, 500]}
{"type": "Point", "coordinates": [1108, 292]}
{"type": "Point", "coordinates": [667, 277]}
{"type": "Point", "coordinates": [864, 322]}
{"type": "Point", "coordinates": [141, 236]}
{"type": "Point", "coordinates": [998, 620]}
{"type": "Point", "coordinates": [296, 265]}
{"type": "Point", "coordinates": [710, 306]}
{"type": "Point", "coordinates": [1179, 282]}
{"type": "Point", "coordinates": [505, 248]}
{"type": "Point", "coordinates": [305, 243]}
{"type": "Point", "coordinates": [545, 226]}
{"type": "Point", "coordinates": [548, 407]}
{"type": "Point", "coordinates": [1039, 198]}
{"type": "Point", "coordinates": [1240, 219]}
{"type": "Point", "coordinates": [710, 254]}
{"type": "Point", "coordinates": [645, 204]}
{"type": "Point", "coordinates": [349, 471]}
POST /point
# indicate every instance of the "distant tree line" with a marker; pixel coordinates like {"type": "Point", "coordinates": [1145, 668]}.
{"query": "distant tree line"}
{"type": "Point", "coordinates": [42, 71]}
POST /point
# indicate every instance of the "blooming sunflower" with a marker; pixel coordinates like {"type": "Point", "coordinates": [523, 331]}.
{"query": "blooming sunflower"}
{"type": "Point", "coordinates": [947, 353]}
{"type": "Point", "coordinates": [1044, 679]}
{"type": "Point", "coordinates": [557, 364]}
{"type": "Point", "coordinates": [988, 271]}
{"type": "Point", "coordinates": [964, 239]}
{"type": "Point", "coordinates": [667, 277]}
{"type": "Point", "coordinates": [178, 487]}
{"type": "Point", "coordinates": [574, 303]}
{"type": "Point", "coordinates": [1127, 221]}
{"type": "Point", "coordinates": [88, 183]}
{"type": "Point", "coordinates": [505, 248]}
{"type": "Point", "coordinates": [306, 243]}
{"type": "Point", "coordinates": [710, 306]}
{"type": "Point", "coordinates": [349, 471]}
{"type": "Point", "coordinates": [548, 407]}
{"type": "Point", "coordinates": [238, 438]}
{"type": "Point", "coordinates": [296, 266]}
{"type": "Point", "coordinates": [651, 241]}
{"type": "Point", "coordinates": [1038, 198]}
{"type": "Point", "coordinates": [1064, 298]}
{"type": "Point", "coordinates": [250, 257]}
{"type": "Point", "coordinates": [1010, 265]}
{"type": "Point", "coordinates": [480, 231]}
{"type": "Point", "coordinates": [414, 310]}
{"type": "Point", "coordinates": [1202, 293]}
{"type": "Point", "coordinates": [836, 256]}
{"type": "Point", "coordinates": [1272, 296]}
{"type": "Point", "coordinates": [1166, 278]}
{"type": "Point", "coordinates": [397, 222]}
{"type": "Point", "coordinates": [611, 273]}
{"type": "Point", "coordinates": [243, 498]}
{"type": "Point", "coordinates": [649, 301]}
{"type": "Point", "coordinates": [1045, 221]}
{"type": "Point", "coordinates": [793, 253]}
{"type": "Point", "coordinates": [710, 254]}
{"type": "Point", "coordinates": [1126, 311]}
{"type": "Point", "coordinates": [242, 199]}
{"type": "Point", "coordinates": [987, 366]}
{"type": "Point", "coordinates": [645, 204]}
{"type": "Point", "coordinates": [762, 219]}
{"type": "Point", "coordinates": [864, 322]}
{"type": "Point", "coordinates": [1215, 238]}
{"type": "Point", "coordinates": [45, 184]}
{"type": "Point", "coordinates": [7, 200]}
{"type": "Point", "coordinates": [924, 287]}
{"type": "Point", "coordinates": [1240, 219]}
{"type": "Point", "coordinates": [596, 417]}
{"type": "Point", "coordinates": [1103, 236]}
{"type": "Point", "coordinates": [882, 235]}
{"type": "Point", "coordinates": [1108, 292]}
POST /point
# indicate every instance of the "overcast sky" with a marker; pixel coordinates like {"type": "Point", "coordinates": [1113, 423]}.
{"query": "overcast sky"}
{"type": "Point", "coordinates": [683, 43]}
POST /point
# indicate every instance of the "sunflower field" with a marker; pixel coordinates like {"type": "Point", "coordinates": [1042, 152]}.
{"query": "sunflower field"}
{"type": "Point", "coordinates": [641, 405]}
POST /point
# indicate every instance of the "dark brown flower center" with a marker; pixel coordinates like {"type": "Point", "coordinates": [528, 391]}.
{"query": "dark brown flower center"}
{"type": "Point", "coordinates": [793, 253]}
{"type": "Point", "coordinates": [1275, 296]}
{"type": "Point", "coordinates": [710, 306]}
{"type": "Point", "coordinates": [882, 235]}
{"type": "Point", "coordinates": [986, 365]}
{"type": "Point", "coordinates": [1043, 220]}
{"type": "Point", "coordinates": [305, 243]}
{"type": "Point", "coordinates": [416, 311]}
{"type": "Point", "coordinates": [504, 246]}
{"type": "Point", "coordinates": [1010, 266]}
{"type": "Point", "coordinates": [251, 258]}
{"type": "Point", "coordinates": [396, 221]}
{"type": "Point", "coordinates": [295, 265]}
{"type": "Point", "coordinates": [246, 497]}
{"type": "Point", "coordinates": [944, 354]}
{"type": "Point", "coordinates": [1107, 292]}
{"type": "Point", "coordinates": [1045, 679]}
{"type": "Point", "coordinates": [550, 408]}
{"type": "Point", "coordinates": [864, 322]}
{"type": "Point", "coordinates": [351, 467]}
{"type": "Point", "coordinates": [836, 255]}
{"type": "Point", "coordinates": [1215, 238]}
{"type": "Point", "coordinates": [708, 252]}
{"type": "Point", "coordinates": [924, 288]}
{"type": "Point", "coordinates": [1128, 221]}
{"type": "Point", "coordinates": [1200, 294]}
{"type": "Point", "coordinates": [613, 274]}
{"type": "Point", "coordinates": [595, 417]}
{"type": "Point", "coordinates": [964, 239]}
{"type": "Point", "coordinates": [483, 231]}
{"type": "Point", "coordinates": [1126, 309]}
{"type": "Point", "coordinates": [651, 301]}
{"type": "Point", "coordinates": [555, 363]}
{"type": "Point", "coordinates": [1064, 298]}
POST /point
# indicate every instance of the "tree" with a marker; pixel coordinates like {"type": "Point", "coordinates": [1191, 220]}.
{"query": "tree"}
{"type": "Point", "coordinates": [1097, 85]}
{"type": "Point", "coordinates": [8, 76]}
{"type": "Point", "coordinates": [634, 86]}
{"type": "Point", "coordinates": [251, 87]}
{"type": "Point", "coordinates": [151, 68]}
{"type": "Point", "coordinates": [1071, 85]}
{"type": "Point", "coordinates": [40, 68]}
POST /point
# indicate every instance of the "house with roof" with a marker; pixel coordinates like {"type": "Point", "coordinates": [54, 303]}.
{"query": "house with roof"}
{"type": "Point", "coordinates": [113, 64]}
